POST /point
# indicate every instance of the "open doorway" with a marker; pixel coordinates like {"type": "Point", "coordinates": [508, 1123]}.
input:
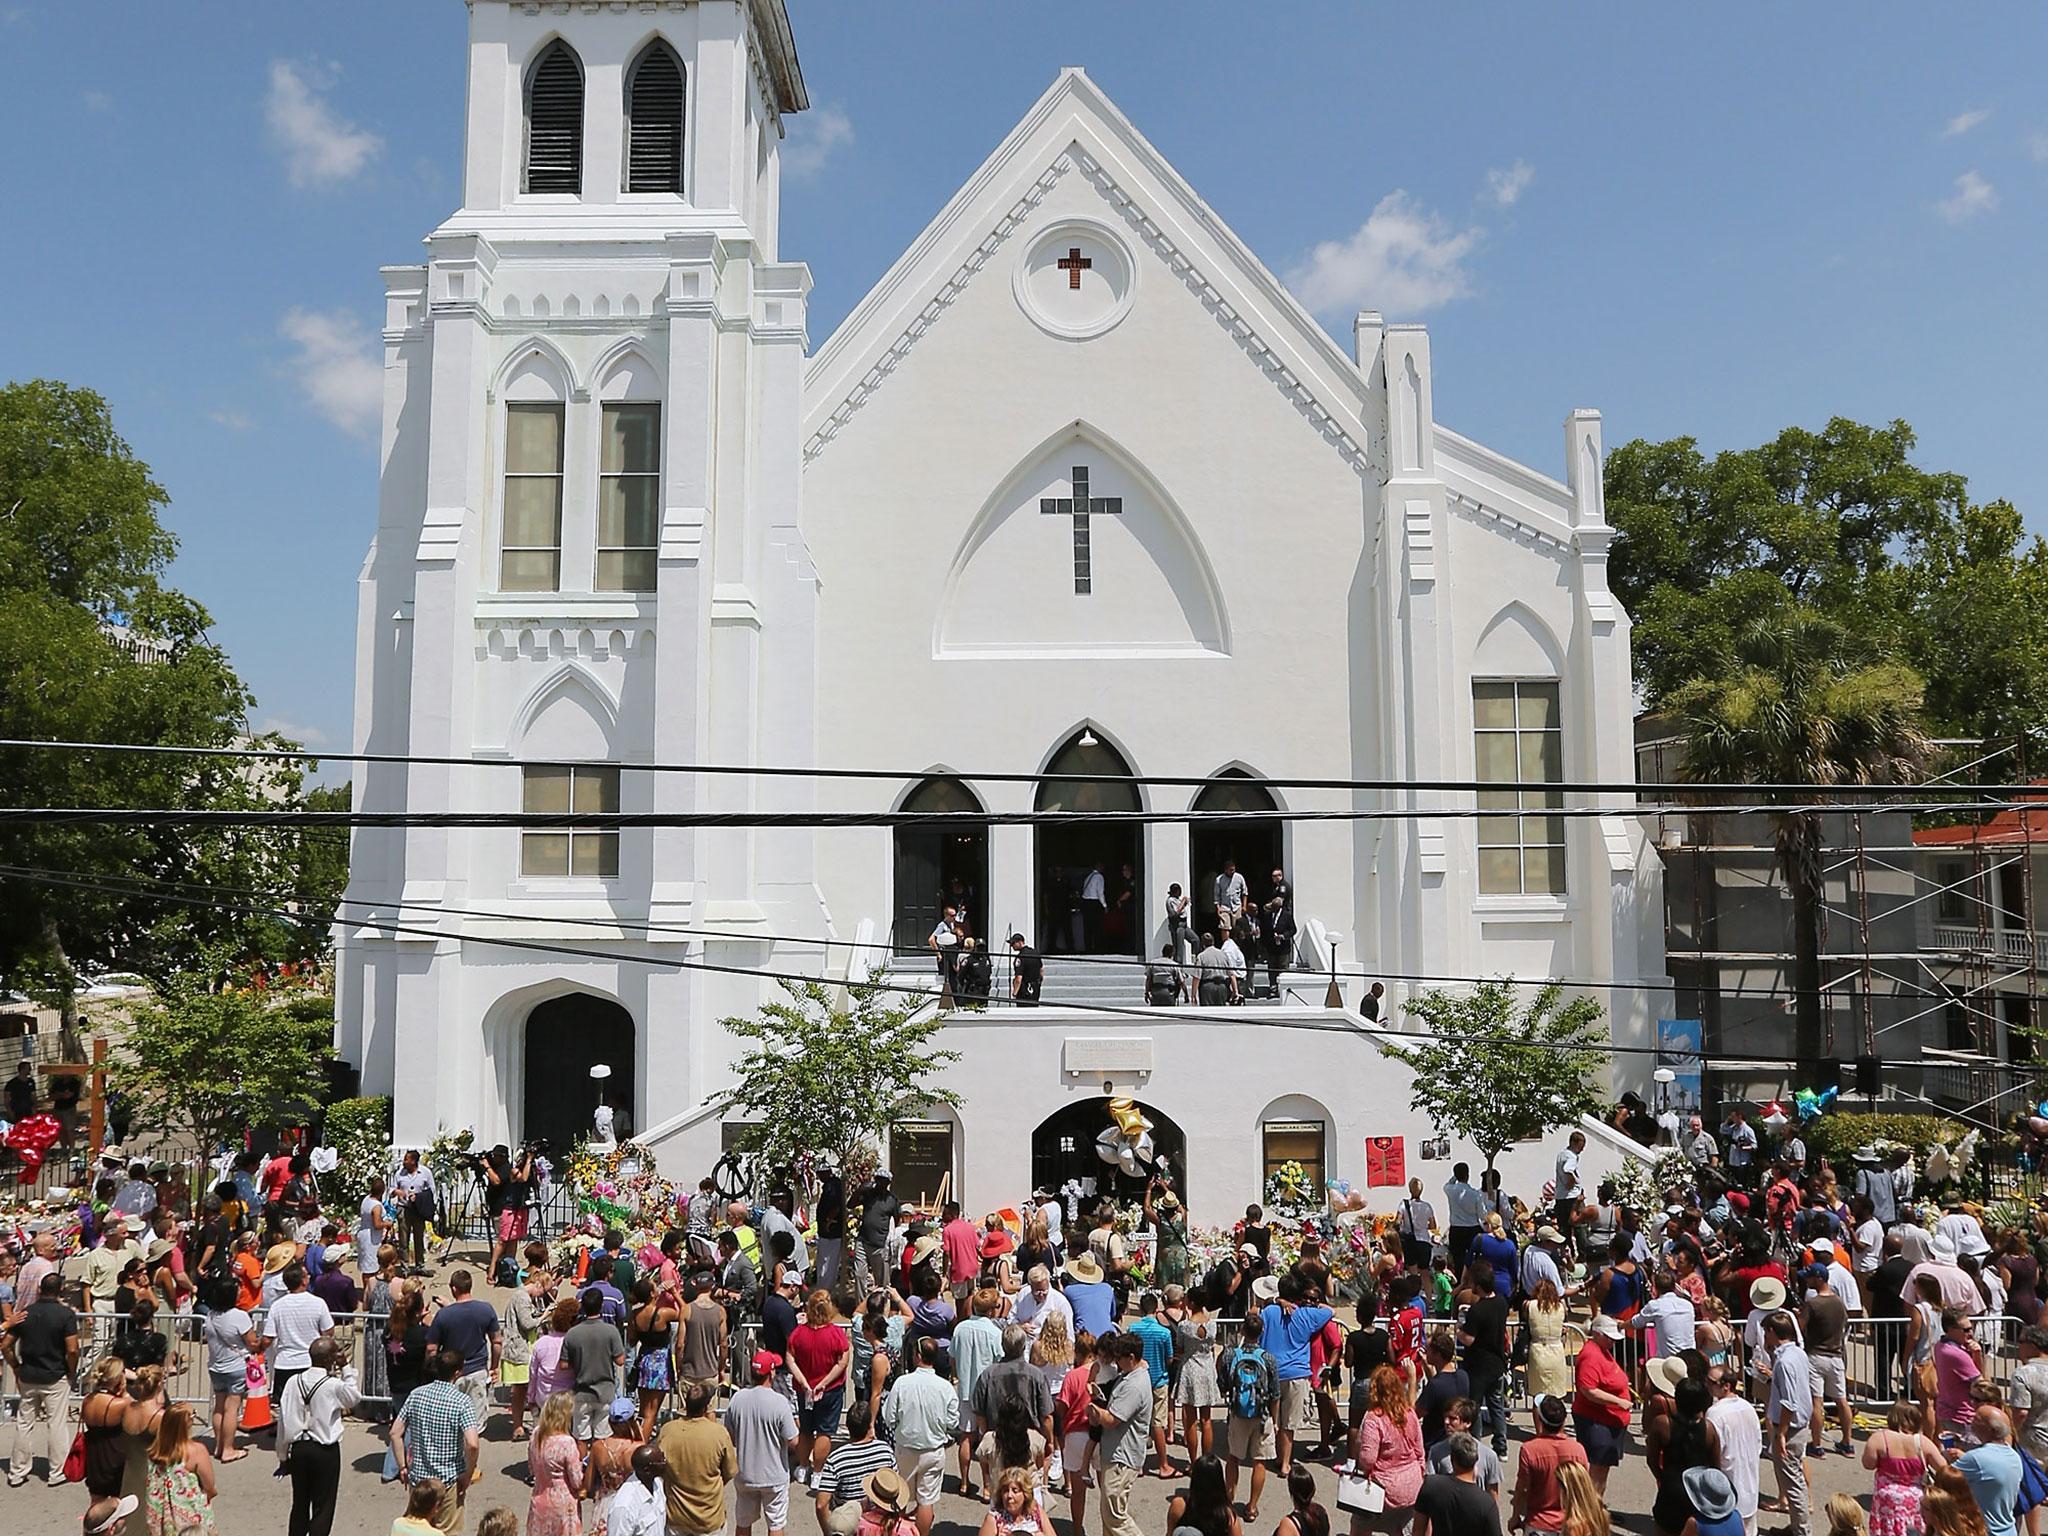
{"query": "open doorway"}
{"type": "Point", "coordinates": [937, 865]}
{"type": "Point", "coordinates": [1256, 847]}
{"type": "Point", "coordinates": [1069, 856]}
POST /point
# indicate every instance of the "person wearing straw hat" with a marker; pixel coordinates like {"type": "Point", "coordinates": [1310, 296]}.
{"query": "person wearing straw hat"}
{"type": "Point", "coordinates": [1090, 1295]}
{"type": "Point", "coordinates": [887, 1506]}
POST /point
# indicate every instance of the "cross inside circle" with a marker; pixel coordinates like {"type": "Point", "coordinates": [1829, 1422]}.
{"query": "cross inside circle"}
{"type": "Point", "coordinates": [1074, 264]}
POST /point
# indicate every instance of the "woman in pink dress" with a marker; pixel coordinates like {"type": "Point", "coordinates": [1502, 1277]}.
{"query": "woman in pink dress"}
{"type": "Point", "coordinates": [1389, 1451]}
{"type": "Point", "coordinates": [557, 1468]}
{"type": "Point", "coordinates": [1902, 1458]}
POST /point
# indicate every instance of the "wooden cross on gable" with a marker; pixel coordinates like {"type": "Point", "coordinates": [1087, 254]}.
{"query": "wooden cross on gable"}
{"type": "Point", "coordinates": [1074, 264]}
{"type": "Point", "coordinates": [1080, 507]}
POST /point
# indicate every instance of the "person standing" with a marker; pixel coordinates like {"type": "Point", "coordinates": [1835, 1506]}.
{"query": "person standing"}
{"type": "Point", "coordinates": [470, 1327]}
{"type": "Point", "coordinates": [1733, 1420]}
{"type": "Point", "coordinates": [41, 1345]}
{"type": "Point", "coordinates": [21, 1092]}
{"type": "Point", "coordinates": [1453, 1503]}
{"type": "Point", "coordinates": [1485, 1336]}
{"type": "Point", "coordinates": [438, 1435]}
{"type": "Point", "coordinates": [1538, 1503]}
{"type": "Point", "coordinates": [820, 1356]}
{"type": "Point", "coordinates": [1231, 894]}
{"type": "Point", "coordinates": [703, 1337]}
{"type": "Point", "coordinates": [1566, 1190]}
{"type": "Point", "coordinates": [1824, 1325]}
{"type": "Point", "coordinates": [309, 1436]}
{"type": "Point", "coordinates": [879, 1209]}
{"type": "Point", "coordinates": [698, 1460]}
{"type": "Point", "coordinates": [1287, 1327]}
{"type": "Point", "coordinates": [977, 1345]}
{"type": "Point", "coordinates": [1234, 966]}
{"type": "Point", "coordinates": [1094, 909]}
{"type": "Point", "coordinates": [763, 1431]}
{"type": "Point", "coordinates": [1600, 1399]}
{"type": "Point", "coordinates": [1464, 1212]}
{"type": "Point", "coordinates": [1180, 932]}
{"type": "Point", "coordinates": [1993, 1469]}
{"type": "Point", "coordinates": [1415, 1224]}
{"type": "Point", "coordinates": [922, 1412]}
{"type": "Point", "coordinates": [1789, 1412]}
{"type": "Point", "coordinates": [595, 1352]}
{"type": "Point", "coordinates": [295, 1322]}
{"type": "Point", "coordinates": [417, 1204]}
{"type": "Point", "coordinates": [1124, 1415]}
{"type": "Point", "coordinates": [1212, 974]}
{"type": "Point", "coordinates": [1277, 930]}
{"type": "Point", "coordinates": [1027, 973]}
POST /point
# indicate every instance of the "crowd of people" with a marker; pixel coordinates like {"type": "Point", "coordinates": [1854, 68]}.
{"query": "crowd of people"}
{"type": "Point", "coordinates": [869, 1355]}
{"type": "Point", "coordinates": [1213, 950]}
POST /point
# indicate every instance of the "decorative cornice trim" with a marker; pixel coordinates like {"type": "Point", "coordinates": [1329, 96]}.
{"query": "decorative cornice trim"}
{"type": "Point", "coordinates": [1488, 516]}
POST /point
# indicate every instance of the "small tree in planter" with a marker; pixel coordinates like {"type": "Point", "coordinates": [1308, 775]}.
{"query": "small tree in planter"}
{"type": "Point", "coordinates": [1493, 1071]}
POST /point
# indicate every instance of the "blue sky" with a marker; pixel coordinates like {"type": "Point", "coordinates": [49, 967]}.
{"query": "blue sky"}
{"type": "Point", "coordinates": [1717, 220]}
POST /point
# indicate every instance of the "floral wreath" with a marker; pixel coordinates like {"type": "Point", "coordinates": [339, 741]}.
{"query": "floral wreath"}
{"type": "Point", "coordinates": [618, 1184]}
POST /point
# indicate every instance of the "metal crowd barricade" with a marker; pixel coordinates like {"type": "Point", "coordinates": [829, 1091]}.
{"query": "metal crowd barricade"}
{"type": "Point", "coordinates": [1875, 1351]}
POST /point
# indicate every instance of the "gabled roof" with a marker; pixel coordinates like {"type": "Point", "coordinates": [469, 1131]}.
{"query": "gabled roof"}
{"type": "Point", "coordinates": [1074, 129]}
{"type": "Point", "coordinates": [2013, 825]}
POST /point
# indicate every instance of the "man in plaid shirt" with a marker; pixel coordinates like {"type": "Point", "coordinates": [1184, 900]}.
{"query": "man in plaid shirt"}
{"type": "Point", "coordinates": [438, 1436]}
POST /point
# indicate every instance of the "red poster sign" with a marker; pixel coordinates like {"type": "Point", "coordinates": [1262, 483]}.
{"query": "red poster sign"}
{"type": "Point", "coordinates": [1386, 1161]}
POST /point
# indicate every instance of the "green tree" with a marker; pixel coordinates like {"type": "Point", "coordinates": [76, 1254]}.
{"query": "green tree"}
{"type": "Point", "coordinates": [210, 1064]}
{"type": "Point", "coordinates": [94, 646]}
{"type": "Point", "coordinates": [1803, 702]}
{"type": "Point", "coordinates": [1977, 627]}
{"type": "Point", "coordinates": [1494, 1070]}
{"type": "Point", "coordinates": [826, 1076]}
{"type": "Point", "coordinates": [1827, 520]}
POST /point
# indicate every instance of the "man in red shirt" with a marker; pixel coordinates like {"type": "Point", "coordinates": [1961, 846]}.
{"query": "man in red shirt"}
{"type": "Point", "coordinates": [963, 1251]}
{"type": "Point", "coordinates": [1538, 1502]}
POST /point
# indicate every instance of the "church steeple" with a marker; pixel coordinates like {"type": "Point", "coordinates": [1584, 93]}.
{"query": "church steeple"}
{"type": "Point", "coordinates": [649, 106]}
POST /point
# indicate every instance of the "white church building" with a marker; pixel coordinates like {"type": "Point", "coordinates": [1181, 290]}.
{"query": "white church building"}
{"type": "Point", "coordinates": [1078, 488]}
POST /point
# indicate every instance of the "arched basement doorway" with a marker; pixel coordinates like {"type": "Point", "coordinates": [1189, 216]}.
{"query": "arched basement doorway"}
{"type": "Point", "coordinates": [1063, 1148]}
{"type": "Point", "coordinates": [565, 1038]}
{"type": "Point", "coordinates": [1068, 854]}
{"type": "Point", "coordinates": [1256, 847]}
{"type": "Point", "coordinates": [935, 865]}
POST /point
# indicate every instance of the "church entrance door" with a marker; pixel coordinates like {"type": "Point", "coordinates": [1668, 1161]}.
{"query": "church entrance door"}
{"type": "Point", "coordinates": [937, 865]}
{"type": "Point", "coordinates": [1256, 847]}
{"type": "Point", "coordinates": [1064, 1147]}
{"type": "Point", "coordinates": [1074, 858]}
{"type": "Point", "coordinates": [565, 1038]}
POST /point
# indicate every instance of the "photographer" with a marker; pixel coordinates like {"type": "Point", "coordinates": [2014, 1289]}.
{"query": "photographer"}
{"type": "Point", "coordinates": [508, 1187]}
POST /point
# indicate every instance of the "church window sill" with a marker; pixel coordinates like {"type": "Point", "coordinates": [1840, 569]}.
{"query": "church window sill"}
{"type": "Point", "coordinates": [1553, 909]}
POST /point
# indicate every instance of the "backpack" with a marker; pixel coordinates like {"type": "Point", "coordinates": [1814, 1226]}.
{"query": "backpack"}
{"type": "Point", "coordinates": [1247, 1384]}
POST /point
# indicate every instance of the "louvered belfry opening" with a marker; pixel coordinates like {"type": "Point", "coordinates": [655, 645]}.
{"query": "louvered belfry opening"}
{"type": "Point", "coordinates": [554, 123]}
{"type": "Point", "coordinates": [654, 121]}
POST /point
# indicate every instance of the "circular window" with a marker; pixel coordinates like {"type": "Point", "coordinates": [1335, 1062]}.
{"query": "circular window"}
{"type": "Point", "coordinates": [1076, 280]}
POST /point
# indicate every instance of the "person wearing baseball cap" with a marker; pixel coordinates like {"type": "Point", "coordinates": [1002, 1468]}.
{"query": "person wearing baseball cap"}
{"type": "Point", "coordinates": [1600, 1398]}
{"type": "Point", "coordinates": [763, 1429]}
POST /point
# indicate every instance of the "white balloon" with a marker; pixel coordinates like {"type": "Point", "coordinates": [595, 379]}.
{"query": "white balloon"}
{"type": "Point", "coordinates": [1142, 1148]}
{"type": "Point", "coordinates": [1109, 1145]}
{"type": "Point", "coordinates": [1128, 1162]}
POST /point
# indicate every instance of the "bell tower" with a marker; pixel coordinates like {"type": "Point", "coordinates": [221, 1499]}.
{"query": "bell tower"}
{"type": "Point", "coordinates": [589, 555]}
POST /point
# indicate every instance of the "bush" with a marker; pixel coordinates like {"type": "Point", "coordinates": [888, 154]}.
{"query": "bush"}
{"type": "Point", "coordinates": [359, 1130]}
{"type": "Point", "coordinates": [1839, 1134]}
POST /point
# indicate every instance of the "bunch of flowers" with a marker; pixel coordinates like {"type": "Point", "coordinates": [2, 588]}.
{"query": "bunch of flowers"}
{"type": "Point", "coordinates": [618, 1185]}
{"type": "Point", "coordinates": [1289, 1194]}
{"type": "Point", "coordinates": [1648, 1185]}
{"type": "Point", "coordinates": [449, 1155]}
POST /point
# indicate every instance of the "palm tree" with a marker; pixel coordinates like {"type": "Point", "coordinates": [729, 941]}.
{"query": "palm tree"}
{"type": "Point", "coordinates": [1803, 702]}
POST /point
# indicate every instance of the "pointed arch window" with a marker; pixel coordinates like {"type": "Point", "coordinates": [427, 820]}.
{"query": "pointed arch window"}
{"type": "Point", "coordinates": [554, 122]}
{"type": "Point", "coordinates": [1108, 786]}
{"type": "Point", "coordinates": [654, 121]}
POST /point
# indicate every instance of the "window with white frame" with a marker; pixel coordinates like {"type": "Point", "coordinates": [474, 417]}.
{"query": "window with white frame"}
{"type": "Point", "coordinates": [1518, 738]}
{"type": "Point", "coordinates": [628, 498]}
{"type": "Point", "coordinates": [530, 557]}
{"type": "Point", "coordinates": [558, 789]}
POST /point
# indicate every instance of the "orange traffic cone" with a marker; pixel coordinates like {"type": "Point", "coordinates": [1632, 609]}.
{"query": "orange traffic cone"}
{"type": "Point", "coordinates": [256, 1407]}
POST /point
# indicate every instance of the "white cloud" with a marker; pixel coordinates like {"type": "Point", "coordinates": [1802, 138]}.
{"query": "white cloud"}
{"type": "Point", "coordinates": [1974, 195]}
{"type": "Point", "coordinates": [813, 138]}
{"type": "Point", "coordinates": [338, 367]}
{"type": "Point", "coordinates": [1505, 186]}
{"type": "Point", "coordinates": [1963, 122]}
{"type": "Point", "coordinates": [1403, 259]}
{"type": "Point", "coordinates": [234, 421]}
{"type": "Point", "coordinates": [98, 101]}
{"type": "Point", "coordinates": [291, 730]}
{"type": "Point", "coordinates": [318, 144]}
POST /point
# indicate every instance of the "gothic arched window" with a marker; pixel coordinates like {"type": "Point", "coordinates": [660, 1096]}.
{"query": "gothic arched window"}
{"type": "Point", "coordinates": [654, 121]}
{"type": "Point", "coordinates": [554, 121]}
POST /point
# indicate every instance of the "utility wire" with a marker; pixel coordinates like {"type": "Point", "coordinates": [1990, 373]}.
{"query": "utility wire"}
{"type": "Point", "coordinates": [761, 770]}
{"type": "Point", "coordinates": [538, 946]}
{"type": "Point", "coordinates": [588, 821]}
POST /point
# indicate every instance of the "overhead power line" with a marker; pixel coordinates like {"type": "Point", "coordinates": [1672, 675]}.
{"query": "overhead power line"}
{"type": "Point", "coordinates": [683, 963]}
{"type": "Point", "coordinates": [912, 775]}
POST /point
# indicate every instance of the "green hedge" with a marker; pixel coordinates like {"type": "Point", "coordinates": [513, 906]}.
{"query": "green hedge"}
{"type": "Point", "coordinates": [1837, 1134]}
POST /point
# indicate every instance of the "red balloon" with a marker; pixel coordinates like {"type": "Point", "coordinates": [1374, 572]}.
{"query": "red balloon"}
{"type": "Point", "coordinates": [32, 1137]}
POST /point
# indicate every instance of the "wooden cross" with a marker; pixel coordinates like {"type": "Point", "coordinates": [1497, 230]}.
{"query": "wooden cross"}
{"type": "Point", "coordinates": [1074, 264]}
{"type": "Point", "coordinates": [1080, 506]}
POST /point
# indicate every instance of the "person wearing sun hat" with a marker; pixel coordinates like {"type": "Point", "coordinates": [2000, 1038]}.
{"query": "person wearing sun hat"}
{"type": "Point", "coordinates": [1090, 1294]}
{"type": "Point", "coordinates": [1712, 1498]}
